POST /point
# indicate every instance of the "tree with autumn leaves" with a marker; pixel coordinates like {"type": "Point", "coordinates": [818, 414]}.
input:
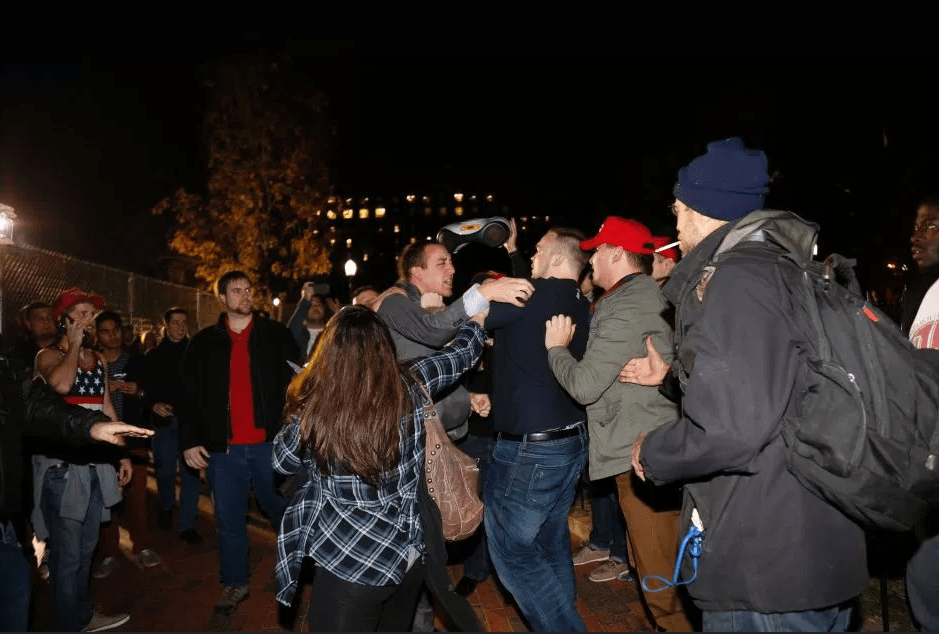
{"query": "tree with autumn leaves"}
{"type": "Point", "coordinates": [264, 207]}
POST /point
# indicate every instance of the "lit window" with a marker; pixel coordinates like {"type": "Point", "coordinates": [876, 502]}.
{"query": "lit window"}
{"type": "Point", "coordinates": [426, 199]}
{"type": "Point", "coordinates": [331, 214]}
{"type": "Point", "coordinates": [347, 213]}
{"type": "Point", "coordinates": [348, 201]}
{"type": "Point", "coordinates": [332, 241]}
{"type": "Point", "coordinates": [348, 243]}
{"type": "Point", "coordinates": [427, 211]}
{"type": "Point", "coordinates": [365, 257]}
{"type": "Point", "coordinates": [547, 218]}
{"type": "Point", "coordinates": [524, 218]}
{"type": "Point", "coordinates": [331, 200]}
{"type": "Point", "coordinates": [443, 211]}
{"type": "Point", "coordinates": [316, 232]}
{"type": "Point", "coordinates": [410, 198]}
{"type": "Point", "coordinates": [489, 198]}
{"type": "Point", "coordinates": [458, 210]}
{"type": "Point", "coordinates": [458, 197]}
{"type": "Point", "coordinates": [379, 212]}
{"type": "Point", "coordinates": [397, 229]}
{"type": "Point", "coordinates": [363, 213]}
{"type": "Point", "coordinates": [365, 200]}
{"type": "Point", "coordinates": [413, 239]}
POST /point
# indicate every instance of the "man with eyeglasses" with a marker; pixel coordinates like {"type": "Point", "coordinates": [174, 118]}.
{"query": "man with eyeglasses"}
{"type": "Point", "coordinates": [925, 250]}
{"type": "Point", "coordinates": [235, 377]}
{"type": "Point", "coordinates": [772, 556]}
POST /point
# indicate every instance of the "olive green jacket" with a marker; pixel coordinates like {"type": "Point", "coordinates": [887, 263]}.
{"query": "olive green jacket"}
{"type": "Point", "coordinates": [618, 412]}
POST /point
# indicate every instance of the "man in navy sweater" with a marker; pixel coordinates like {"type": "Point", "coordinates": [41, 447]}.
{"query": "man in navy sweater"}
{"type": "Point", "coordinates": [541, 441]}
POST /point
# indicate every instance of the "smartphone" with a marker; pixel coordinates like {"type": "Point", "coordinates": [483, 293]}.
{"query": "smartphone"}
{"type": "Point", "coordinates": [62, 326]}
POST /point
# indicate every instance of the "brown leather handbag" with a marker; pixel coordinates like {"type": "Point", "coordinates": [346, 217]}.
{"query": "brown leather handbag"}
{"type": "Point", "coordinates": [452, 478]}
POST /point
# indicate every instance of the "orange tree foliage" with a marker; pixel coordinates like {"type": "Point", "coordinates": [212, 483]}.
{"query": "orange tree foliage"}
{"type": "Point", "coordinates": [263, 210]}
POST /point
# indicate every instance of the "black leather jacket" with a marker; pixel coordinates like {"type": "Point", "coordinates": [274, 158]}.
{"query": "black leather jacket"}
{"type": "Point", "coordinates": [31, 408]}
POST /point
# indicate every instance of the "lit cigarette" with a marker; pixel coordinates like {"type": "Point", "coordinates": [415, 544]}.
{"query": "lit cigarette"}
{"type": "Point", "coordinates": [667, 246]}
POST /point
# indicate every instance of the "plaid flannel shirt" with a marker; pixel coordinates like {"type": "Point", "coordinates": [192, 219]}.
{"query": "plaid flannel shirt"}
{"type": "Point", "coordinates": [360, 533]}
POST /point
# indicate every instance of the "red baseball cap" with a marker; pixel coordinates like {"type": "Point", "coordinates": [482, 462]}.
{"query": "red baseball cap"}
{"type": "Point", "coordinates": [72, 297]}
{"type": "Point", "coordinates": [661, 241]}
{"type": "Point", "coordinates": [630, 234]}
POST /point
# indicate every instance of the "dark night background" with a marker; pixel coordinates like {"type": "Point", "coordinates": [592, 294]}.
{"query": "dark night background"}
{"type": "Point", "coordinates": [90, 143]}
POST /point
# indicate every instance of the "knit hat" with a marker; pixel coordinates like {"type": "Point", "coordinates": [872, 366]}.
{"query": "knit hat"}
{"type": "Point", "coordinates": [73, 297]}
{"type": "Point", "coordinates": [630, 234]}
{"type": "Point", "coordinates": [726, 183]}
{"type": "Point", "coordinates": [660, 241]}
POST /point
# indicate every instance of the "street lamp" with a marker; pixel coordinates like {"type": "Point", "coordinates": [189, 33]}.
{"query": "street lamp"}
{"type": "Point", "coordinates": [351, 267]}
{"type": "Point", "coordinates": [7, 216]}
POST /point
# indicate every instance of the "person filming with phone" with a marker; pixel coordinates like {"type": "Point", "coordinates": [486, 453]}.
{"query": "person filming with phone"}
{"type": "Point", "coordinates": [75, 487]}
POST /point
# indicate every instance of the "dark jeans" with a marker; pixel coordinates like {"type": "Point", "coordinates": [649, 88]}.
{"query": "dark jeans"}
{"type": "Point", "coordinates": [71, 547]}
{"type": "Point", "coordinates": [337, 605]}
{"type": "Point", "coordinates": [231, 474]}
{"type": "Point", "coordinates": [15, 587]}
{"type": "Point", "coordinates": [833, 619]}
{"type": "Point", "coordinates": [166, 454]}
{"type": "Point", "coordinates": [609, 530]}
{"type": "Point", "coordinates": [530, 488]}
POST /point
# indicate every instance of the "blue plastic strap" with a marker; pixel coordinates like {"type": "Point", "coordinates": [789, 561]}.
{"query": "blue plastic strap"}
{"type": "Point", "coordinates": [691, 542]}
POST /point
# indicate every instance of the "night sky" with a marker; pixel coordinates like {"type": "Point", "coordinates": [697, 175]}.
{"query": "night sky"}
{"type": "Point", "coordinates": [90, 142]}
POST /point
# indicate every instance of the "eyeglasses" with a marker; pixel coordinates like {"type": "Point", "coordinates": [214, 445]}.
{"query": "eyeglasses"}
{"type": "Point", "coordinates": [929, 227]}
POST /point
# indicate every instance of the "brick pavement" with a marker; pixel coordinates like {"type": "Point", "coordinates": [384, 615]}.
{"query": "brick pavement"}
{"type": "Point", "coordinates": [180, 593]}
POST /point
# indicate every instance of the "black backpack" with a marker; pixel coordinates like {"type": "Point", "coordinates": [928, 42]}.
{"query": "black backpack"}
{"type": "Point", "coordinates": [862, 426]}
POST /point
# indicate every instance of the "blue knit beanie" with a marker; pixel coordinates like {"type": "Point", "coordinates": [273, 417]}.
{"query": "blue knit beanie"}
{"type": "Point", "coordinates": [726, 183]}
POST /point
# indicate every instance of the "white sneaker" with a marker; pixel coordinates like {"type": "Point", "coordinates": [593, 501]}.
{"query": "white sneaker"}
{"type": "Point", "coordinates": [101, 622]}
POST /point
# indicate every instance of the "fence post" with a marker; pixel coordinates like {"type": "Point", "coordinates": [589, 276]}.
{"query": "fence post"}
{"type": "Point", "coordinates": [130, 298]}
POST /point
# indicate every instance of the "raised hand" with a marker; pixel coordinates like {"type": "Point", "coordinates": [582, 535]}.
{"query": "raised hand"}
{"type": "Point", "coordinates": [649, 370]}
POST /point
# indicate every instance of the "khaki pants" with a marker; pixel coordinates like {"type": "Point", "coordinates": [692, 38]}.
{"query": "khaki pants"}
{"type": "Point", "coordinates": [652, 533]}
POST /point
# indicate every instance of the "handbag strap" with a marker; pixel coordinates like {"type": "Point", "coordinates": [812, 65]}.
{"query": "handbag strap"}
{"type": "Point", "coordinates": [430, 411]}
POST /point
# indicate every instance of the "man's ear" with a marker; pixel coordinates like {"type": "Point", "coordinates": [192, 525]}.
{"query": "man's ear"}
{"type": "Point", "coordinates": [417, 274]}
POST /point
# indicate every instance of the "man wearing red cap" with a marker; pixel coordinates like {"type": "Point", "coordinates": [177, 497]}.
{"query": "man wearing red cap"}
{"type": "Point", "coordinates": [617, 413]}
{"type": "Point", "coordinates": [663, 260]}
{"type": "Point", "coordinates": [76, 487]}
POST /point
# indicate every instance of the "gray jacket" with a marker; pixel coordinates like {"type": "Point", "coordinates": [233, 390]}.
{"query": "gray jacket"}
{"type": "Point", "coordinates": [418, 333]}
{"type": "Point", "coordinates": [618, 412]}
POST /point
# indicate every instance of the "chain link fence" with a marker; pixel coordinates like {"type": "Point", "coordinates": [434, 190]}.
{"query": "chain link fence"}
{"type": "Point", "coordinates": [29, 274]}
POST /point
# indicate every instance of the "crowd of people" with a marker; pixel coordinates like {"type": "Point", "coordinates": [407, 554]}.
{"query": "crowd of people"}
{"type": "Point", "coordinates": [653, 375]}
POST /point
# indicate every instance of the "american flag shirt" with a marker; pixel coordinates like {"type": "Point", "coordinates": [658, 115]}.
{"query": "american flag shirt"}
{"type": "Point", "coordinates": [89, 385]}
{"type": "Point", "coordinates": [360, 533]}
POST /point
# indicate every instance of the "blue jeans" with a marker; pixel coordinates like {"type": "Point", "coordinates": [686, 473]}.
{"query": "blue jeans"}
{"type": "Point", "coordinates": [833, 619]}
{"type": "Point", "coordinates": [231, 474]}
{"type": "Point", "coordinates": [922, 577]}
{"type": "Point", "coordinates": [166, 453]}
{"type": "Point", "coordinates": [15, 586]}
{"type": "Point", "coordinates": [71, 546]}
{"type": "Point", "coordinates": [529, 491]}
{"type": "Point", "coordinates": [609, 530]}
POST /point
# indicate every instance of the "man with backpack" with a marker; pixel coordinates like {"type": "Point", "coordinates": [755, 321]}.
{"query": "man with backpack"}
{"type": "Point", "coordinates": [763, 552]}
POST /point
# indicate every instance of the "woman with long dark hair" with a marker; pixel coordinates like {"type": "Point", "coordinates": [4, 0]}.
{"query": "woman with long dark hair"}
{"type": "Point", "coordinates": [355, 421]}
